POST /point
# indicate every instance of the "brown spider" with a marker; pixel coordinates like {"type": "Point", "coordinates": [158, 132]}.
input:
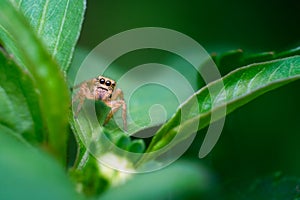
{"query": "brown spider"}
{"type": "Point", "coordinates": [101, 88]}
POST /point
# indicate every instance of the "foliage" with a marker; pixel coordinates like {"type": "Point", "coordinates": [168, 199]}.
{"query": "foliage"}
{"type": "Point", "coordinates": [38, 39]}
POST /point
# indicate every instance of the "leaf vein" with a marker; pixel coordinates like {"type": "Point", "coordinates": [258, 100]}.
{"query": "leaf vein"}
{"type": "Point", "coordinates": [236, 87]}
{"type": "Point", "coordinates": [43, 17]}
{"type": "Point", "coordinates": [61, 29]}
{"type": "Point", "coordinates": [252, 80]}
{"type": "Point", "coordinates": [291, 69]}
{"type": "Point", "coordinates": [220, 96]}
{"type": "Point", "coordinates": [204, 103]}
{"type": "Point", "coordinates": [274, 72]}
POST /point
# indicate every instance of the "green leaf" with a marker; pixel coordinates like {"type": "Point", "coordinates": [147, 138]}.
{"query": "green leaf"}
{"type": "Point", "coordinates": [240, 87]}
{"type": "Point", "coordinates": [30, 174]}
{"type": "Point", "coordinates": [182, 180]}
{"type": "Point", "coordinates": [57, 23]}
{"type": "Point", "coordinates": [137, 146]}
{"type": "Point", "coordinates": [49, 80]}
{"type": "Point", "coordinates": [19, 107]}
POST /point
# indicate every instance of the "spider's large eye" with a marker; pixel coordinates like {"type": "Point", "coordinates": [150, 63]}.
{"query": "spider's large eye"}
{"type": "Point", "coordinates": [102, 81]}
{"type": "Point", "coordinates": [107, 83]}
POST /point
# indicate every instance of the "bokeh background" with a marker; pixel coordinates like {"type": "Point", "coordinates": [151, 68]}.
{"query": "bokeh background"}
{"type": "Point", "coordinates": [217, 25]}
{"type": "Point", "coordinates": [261, 138]}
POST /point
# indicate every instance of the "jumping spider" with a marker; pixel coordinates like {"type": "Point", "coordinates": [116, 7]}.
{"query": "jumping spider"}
{"type": "Point", "coordinates": [101, 88]}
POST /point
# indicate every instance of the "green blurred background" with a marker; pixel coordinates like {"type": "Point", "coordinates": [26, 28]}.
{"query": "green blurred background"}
{"type": "Point", "coordinates": [217, 25]}
{"type": "Point", "coordinates": [259, 139]}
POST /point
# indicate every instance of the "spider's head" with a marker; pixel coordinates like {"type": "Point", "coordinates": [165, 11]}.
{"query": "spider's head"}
{"type": "Point", "coordinates": [106, 85]}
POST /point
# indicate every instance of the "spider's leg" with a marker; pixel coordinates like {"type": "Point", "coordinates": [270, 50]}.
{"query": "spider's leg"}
{"type": "Point", "coordinates": [115, 106]}
{"type": "Point", "coordinates": [79, 106]}
{"type": "Point", "coordinates": [117, 94]}
{"type": "Point", "coordinates": [124, 115]}
{"type": "Point", "coordinates": [81, 96]}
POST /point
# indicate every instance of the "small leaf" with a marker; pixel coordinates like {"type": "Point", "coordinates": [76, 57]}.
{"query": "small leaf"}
{"type": "Point", "coordinates": [137, 146]}
{"type": "Point", "coordinates": [57, 23]}
{"type": "Point", "coordinates": [260, 57]}
{"type": "Point", "coordinates": [228, 61]}
{"type": "Point", "coordinates": [241, 86]}
{"type": "Point", "coordinates": [49, 80]}
{"type": "Point", "coordinates": [19, 107]}
{"type": "Point", "coordinates": [289, 52]}
{"type": "Point", "coordinates": [30, 174]}
{"type": "Point", "coordinates": [90, 134]}
{"type": "Point", "coordinates": [123, 141]}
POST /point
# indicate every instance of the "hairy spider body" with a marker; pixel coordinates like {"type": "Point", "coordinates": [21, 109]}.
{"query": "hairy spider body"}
{"type": "Point", "coordinates": [101, 89]}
